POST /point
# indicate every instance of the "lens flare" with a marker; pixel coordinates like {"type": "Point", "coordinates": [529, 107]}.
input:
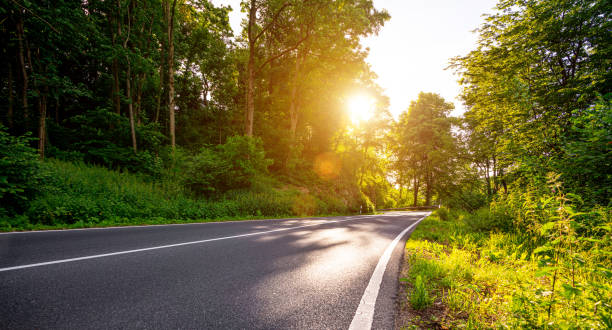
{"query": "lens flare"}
{"type": "Point", "coordinates": [327, 166]}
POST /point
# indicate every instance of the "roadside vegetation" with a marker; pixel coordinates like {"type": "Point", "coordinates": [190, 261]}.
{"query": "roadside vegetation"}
{"type": "Point", "coordinates": [523, 239]}
{"type": "Point", "coordinates": [60, 194]}
{"type": "Point", "coordinates": [510, 267]}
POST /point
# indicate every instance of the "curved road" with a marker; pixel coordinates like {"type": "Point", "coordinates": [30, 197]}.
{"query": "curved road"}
{"type": "Point", "coordinates": [290, 273]}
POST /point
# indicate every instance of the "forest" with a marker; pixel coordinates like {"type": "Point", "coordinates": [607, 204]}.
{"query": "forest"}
{"type": "Point", "coordinates": [151, 111]}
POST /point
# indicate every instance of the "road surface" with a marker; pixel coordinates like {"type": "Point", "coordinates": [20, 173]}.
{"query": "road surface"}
{"type": "Point", "coordinates": [268, 274]}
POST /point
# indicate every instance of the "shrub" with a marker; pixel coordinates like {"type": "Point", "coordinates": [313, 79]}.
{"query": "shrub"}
{"type": "Point", "coordinates": [246, 158]}
{"type": "Point", "coordinates": [205, 172]}
{"type": "Point", "coordinates": [466, 199]}
{"type": "Point", "coordinates": [305, 204]}
{"type": "Point", "coordinates": [232, 165]}
{"type": "Point", "coordinates": [485, 219]}
{"type": "Point", "coordinates": [20, 172]}
{"type": "Point", "coordinates": [102, 137]}
{"type": "Point", "coordinates": [443, 213]}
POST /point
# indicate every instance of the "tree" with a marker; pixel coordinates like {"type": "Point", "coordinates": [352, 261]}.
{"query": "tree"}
{"type": "Point", "coordinates": [170, 10]}
{"type": "Point", "coordinates": [426, 143]}
{"type": "Point", "coordinates": [538, 67]}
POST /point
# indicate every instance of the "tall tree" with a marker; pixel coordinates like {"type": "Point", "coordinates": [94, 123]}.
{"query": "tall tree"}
{"type": "Point", "coordinates": [426, 143]}
{"type": "Point", "coordinates": [538, 66]}
{"type": "Point", "coordinates": [170, 10]}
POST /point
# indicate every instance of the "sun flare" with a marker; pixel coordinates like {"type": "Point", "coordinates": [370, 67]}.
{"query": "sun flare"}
{"type": "Point", "coordinates": [360, 108]}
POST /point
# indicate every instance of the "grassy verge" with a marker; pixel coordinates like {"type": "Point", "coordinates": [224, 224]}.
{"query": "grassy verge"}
{"type": "Point", "coordinates": [458, 275]}
{"type": "Point", "coordinates": [123, 222]}
{"type": "Point", "coordinates": [76, 195]}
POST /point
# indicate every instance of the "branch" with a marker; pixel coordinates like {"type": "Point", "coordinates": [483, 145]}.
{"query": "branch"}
{"type": "Point", "coordinates": [34, 14]}
{"type": "Point", "coordinates": [274, 19]}
{"type": "Point", "coordinates": [294, 47]}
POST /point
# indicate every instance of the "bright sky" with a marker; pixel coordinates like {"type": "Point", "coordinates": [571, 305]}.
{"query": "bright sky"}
{"type": "Point", "coordinates": [412, 50]}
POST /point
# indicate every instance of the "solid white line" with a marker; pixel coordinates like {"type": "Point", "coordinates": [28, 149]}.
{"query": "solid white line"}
{"type": "Point", "coordinates": [61, 261]}
{"type": "Point", "coordinates": [164, 225]}
{"type": "Point", "coordinates": [365, 312]}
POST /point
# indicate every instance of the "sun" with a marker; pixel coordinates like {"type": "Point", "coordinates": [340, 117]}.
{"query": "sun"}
{"type": "Point", "coordinates": [360, 107]}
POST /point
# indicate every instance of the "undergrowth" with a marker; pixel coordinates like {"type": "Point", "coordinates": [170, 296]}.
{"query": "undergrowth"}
{"type": "Point", "coordinates": [73, 195]}
{"type": "Point", "coordinates": [528, 261]}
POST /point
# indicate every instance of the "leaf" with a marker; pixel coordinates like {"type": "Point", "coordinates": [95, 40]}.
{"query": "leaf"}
{"type": "Point", "coordinates": [545, 271]}
{"type": "Point", "coordinates": [569, 291]}
{"type": "Point", "coordinates": [547, 227]}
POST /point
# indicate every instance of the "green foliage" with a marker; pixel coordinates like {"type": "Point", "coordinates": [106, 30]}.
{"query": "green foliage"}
{"type": "Point", "coordinates": [205, 172]}
{"type": "Point", "coordinates": [102, 137]}
{"type": "Point", "coordinates": [232, 165]}
{"type": "Point", "coordinates": [528, 261]}
{"type": "Point", "coordinates": [424, 145]}
{"type": "Point", "coordinates": [443, 213]}
{"type": "Point", "coordinates": [81, 195]}
{"type": "Point", "coordinates": [20, 172]}
{"type": "Point", "coordinates": [588, 151]}
{"type": "Point", "coordinates": [485, 219]}
{"type": "Point", "coordinates": [533, 89]}
{"type": "Point", "coordinates": [419, 298]}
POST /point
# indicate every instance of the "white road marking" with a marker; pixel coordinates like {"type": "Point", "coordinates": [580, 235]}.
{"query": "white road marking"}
{"type": "Point", "coordinates": [172, 245]}
{"type": "Point", "coordinates": [158, 225]}
{"type": "Point", "coordinates": [365, 312]}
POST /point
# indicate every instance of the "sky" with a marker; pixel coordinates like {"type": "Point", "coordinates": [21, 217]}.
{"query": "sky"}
{"type": "Point", "coordinates": [412, 50]}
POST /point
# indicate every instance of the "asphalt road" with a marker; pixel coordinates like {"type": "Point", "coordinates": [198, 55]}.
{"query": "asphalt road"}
{"type": "Point", "coordinates": [268, 274]}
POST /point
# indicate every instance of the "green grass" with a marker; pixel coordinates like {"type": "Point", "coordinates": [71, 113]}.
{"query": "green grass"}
{"type": "Point", "coordinates": [419, 298]}
{"type": "Point", "coordinates": [458, 275]}
{"type": "Point", "coordinates": [76, 195]}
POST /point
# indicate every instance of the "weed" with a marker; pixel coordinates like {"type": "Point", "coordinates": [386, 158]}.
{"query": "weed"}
{"type": "Point", "coordinates": [419, 299]}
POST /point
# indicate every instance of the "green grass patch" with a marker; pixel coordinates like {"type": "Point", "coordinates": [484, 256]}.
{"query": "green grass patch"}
{"type": "Point", "coordinates": [459, 275]}
{"type": "Point", "coordinates": [76, 195]}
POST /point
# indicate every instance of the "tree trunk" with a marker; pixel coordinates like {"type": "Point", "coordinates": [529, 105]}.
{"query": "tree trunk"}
{"type": "Point", "coordinates": [42, 121]}
{"type": "Point", "coordinates": [488, 179]}
{"type": "Point", "coordinates": [161, 67]}
{"type": "Point", "coordinates": [24, 73]}
{"type": "Point", "coordinates": [161, 89]}
{"type": "Point", "coordinates": [9, 114]}
{"type": "Point", "coordinates": [415, 190]}
{"type": "Point", "coordinates": [495, 182]}
{"type": "Point", "coordinates": [428, 188]}
{"type": "Point", "coordinates": [115, 65]}
{"type": "Point", "coordinates": [294, 106]}
{"type": "Point", "coordinates": [116, 88]}
{"type": "Point", "coordinates": [171, 106]}
{"type": "Point", "coordinates": [128, 93]}
{"type": "Point", "coordinates": [400, 186]}
{"type": "Point", "coordinates": [503, 181]}
{"type": "Point", "coordinates": [250, 102]}
{"type": "Point", "coordinates": [128, 78]}
{"type": "Point", "coordinates": [138, 108]}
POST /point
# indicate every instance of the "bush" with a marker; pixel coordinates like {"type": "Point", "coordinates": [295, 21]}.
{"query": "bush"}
{"type": "Point", "coordinates": [84, 194]}
{"type": "Point", "coordinates": [20, 172]}
{"type": "Point", "coordinates": [443, 213]}
{"type": "Point", "coordinates": [246, 158]}
{"type": "Point", "coordinates": [485, 219]}
{"type": "Point", "coordinates": [466, 199]}
{"type": "Point", "coordinates": [205, 172]}
{"type": "Point", "coordinates": [232, 165]}
{"type": "Point", "coordinates": [102, 137]}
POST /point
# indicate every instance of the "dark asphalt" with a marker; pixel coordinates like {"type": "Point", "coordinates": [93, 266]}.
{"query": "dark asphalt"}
{"type": "Point", "coordinates": [305, 278]}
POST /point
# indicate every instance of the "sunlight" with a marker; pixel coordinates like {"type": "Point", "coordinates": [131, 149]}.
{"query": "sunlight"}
{"type": "Point", "coordinates": [360, 108]}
